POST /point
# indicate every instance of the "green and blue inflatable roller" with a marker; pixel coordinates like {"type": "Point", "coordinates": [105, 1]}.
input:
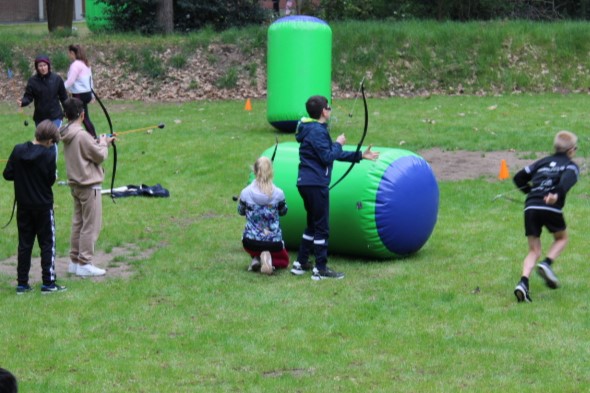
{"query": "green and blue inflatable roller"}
{"type": "Point", "coordinates": [382, 209]}
{"type": "Point", "coordinates": [299, 65]}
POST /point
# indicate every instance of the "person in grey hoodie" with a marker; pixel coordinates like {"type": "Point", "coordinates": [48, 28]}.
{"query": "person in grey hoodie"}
{"type": "Point", "coordinates": [84, 156]}
{"type": "Point", "coordinates": [31, 167]}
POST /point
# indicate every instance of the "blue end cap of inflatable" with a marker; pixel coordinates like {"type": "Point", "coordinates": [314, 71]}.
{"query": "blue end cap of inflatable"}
{"type": "Point", "coordinates": [300, 18]}
{"type": "Point", "coordinates": [406, 205]}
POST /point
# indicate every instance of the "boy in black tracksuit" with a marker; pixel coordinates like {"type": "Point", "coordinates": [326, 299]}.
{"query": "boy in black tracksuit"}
{"type": "Point", "coordinates": [546, 183]}
{"type": "Point", "coordinates": [32, 168]}
{"type": "Point", "coordinates": [317, 153]}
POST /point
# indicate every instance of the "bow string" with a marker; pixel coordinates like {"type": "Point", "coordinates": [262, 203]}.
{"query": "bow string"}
{"type": "Point", "coordinates": [274, 153]}
{"type": "Point", "coordinates": [360, 144]}
{"type": "Point", "coordinates": [106, 113]}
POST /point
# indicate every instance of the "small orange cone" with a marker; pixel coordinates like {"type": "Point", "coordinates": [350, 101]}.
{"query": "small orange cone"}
{"type": "Point", "coordinates": [504, 174]}
{"type": "Point", "coordinates": [248, 106]}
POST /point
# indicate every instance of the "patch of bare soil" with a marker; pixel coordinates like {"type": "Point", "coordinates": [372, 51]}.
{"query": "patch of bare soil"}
{"type": "Point", "coordinates": [117, 263]}
{"type": "Point", "coordinates": [463, 165]}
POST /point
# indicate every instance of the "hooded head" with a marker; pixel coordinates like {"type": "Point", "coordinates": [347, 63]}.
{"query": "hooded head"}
{"type": "Point", "coordinates": [42, 59]}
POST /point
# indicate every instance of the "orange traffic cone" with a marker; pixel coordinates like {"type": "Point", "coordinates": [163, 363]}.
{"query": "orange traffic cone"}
{"type": "Point", "coordinates": [248, 106]}
{"type": "Point", "coordinates": [504, 174]}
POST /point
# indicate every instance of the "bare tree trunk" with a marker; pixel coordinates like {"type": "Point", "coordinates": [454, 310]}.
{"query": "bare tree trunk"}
{"type": "Point", "coordinates": [60, 14]}
{"type": "Point", "coordinates": [165, 16]}
{"type": "Point", "coordinates": [439, 10]}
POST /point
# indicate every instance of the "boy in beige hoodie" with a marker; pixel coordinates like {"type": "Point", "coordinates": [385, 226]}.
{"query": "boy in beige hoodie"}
{"type": "Point", "coordinates": [84, 156]}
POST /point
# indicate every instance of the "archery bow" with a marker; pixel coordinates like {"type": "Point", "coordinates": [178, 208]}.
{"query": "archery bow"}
{"type": "Point", "coordinates": [360, 144]}
{"type": "Point", "coordinates": [106, 113]}
{"type": "Point", "coordinates": [274, 153]}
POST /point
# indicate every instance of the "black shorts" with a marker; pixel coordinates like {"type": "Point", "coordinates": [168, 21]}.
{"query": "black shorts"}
{"type": "Point", "coordinates": [536, 219]}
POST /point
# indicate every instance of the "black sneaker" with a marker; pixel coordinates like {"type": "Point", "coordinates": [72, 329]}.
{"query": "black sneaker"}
{"type": "Point", "coordinates": [299, 269]}
{"type": "Point", "coordinates": [522, 293]}
{"type": "Point", "coordinates": [255, 265]}
{"type": "Point", "coordinates": [45, 289]}
{"type": "Point", "coordinates": [325, 273]}
{"type": "Point", "coordinates": [22, 289]}
{"type": "Point", "coordinates": [550, 278]}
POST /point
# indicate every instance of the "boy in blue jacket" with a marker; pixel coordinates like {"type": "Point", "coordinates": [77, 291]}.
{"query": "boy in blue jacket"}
{"type": "Point", "coordinates": [317, 153]}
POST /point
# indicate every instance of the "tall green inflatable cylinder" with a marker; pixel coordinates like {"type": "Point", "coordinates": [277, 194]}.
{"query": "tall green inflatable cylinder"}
{"type": "Point", "coordinates": [299, 66]}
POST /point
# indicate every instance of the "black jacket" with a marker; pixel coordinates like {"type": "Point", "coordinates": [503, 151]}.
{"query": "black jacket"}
{"type": "Point", "coordinates": [46, 92]}
{"type": "Point", "coordinates": [554, 174]}
{"type": "Point", "coordinates": [32, 168]}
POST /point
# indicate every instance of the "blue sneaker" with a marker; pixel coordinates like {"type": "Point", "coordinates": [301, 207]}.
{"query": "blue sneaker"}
{"type": "Point", "coordinates": [22, 289]}
{"type": "Point", "coordinates": [45, 289]}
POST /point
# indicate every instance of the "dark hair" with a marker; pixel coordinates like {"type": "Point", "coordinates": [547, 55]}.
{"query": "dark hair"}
{"type": "Point", "coordinates": [46, 131]}
{"type": "Point", "coordinates": [80, 53]}
{"type": "Point", "coordinates": [73, 108]}
{"type": "Point", "coordinates": [7, 382]}
{"type": "Point", "coordinates": [315, 105]}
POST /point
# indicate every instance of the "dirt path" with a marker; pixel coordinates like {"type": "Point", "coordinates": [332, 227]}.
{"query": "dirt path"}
{"type": "Point", "coordinates": [115, 269]}
{"type": "Point", "coordinates": [463, 165]}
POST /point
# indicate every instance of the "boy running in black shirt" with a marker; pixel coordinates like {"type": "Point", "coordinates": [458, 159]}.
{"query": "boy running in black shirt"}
{"type": "Point", "coordinates": [546, 183]}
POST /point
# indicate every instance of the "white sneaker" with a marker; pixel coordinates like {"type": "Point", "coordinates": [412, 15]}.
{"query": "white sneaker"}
{"type": "Point", "coordinates": [550, 278]}
{"type": "Point", "coordinates": [72, 267]}
{"type": "Point", "coordinates": [89, 270]}
{"type": "Point", "coordinates": [266, 261]}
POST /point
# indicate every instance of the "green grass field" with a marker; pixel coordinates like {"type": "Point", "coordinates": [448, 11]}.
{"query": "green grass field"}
{"type": "Point", "coordinates": [192, 319]}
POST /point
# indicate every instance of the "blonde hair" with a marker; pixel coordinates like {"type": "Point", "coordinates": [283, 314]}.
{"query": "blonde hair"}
{"type": "Point", "coordinates": [564, 141]}
{"type": "Point", "coordinates": [264, 175]}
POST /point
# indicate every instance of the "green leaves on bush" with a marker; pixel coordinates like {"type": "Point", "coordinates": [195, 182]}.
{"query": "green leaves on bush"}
{"type": "Point", "coordinates": [189, 15]}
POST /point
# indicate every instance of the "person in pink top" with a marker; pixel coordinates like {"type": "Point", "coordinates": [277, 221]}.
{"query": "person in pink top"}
{"type": "Point", "coordinates": [79, 82]}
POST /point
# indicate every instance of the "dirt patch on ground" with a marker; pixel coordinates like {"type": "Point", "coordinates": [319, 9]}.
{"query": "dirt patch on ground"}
{"type": "Point", "coordinates": [117, 263]}
{"type": "Point", "coordinates": [463, 165]}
